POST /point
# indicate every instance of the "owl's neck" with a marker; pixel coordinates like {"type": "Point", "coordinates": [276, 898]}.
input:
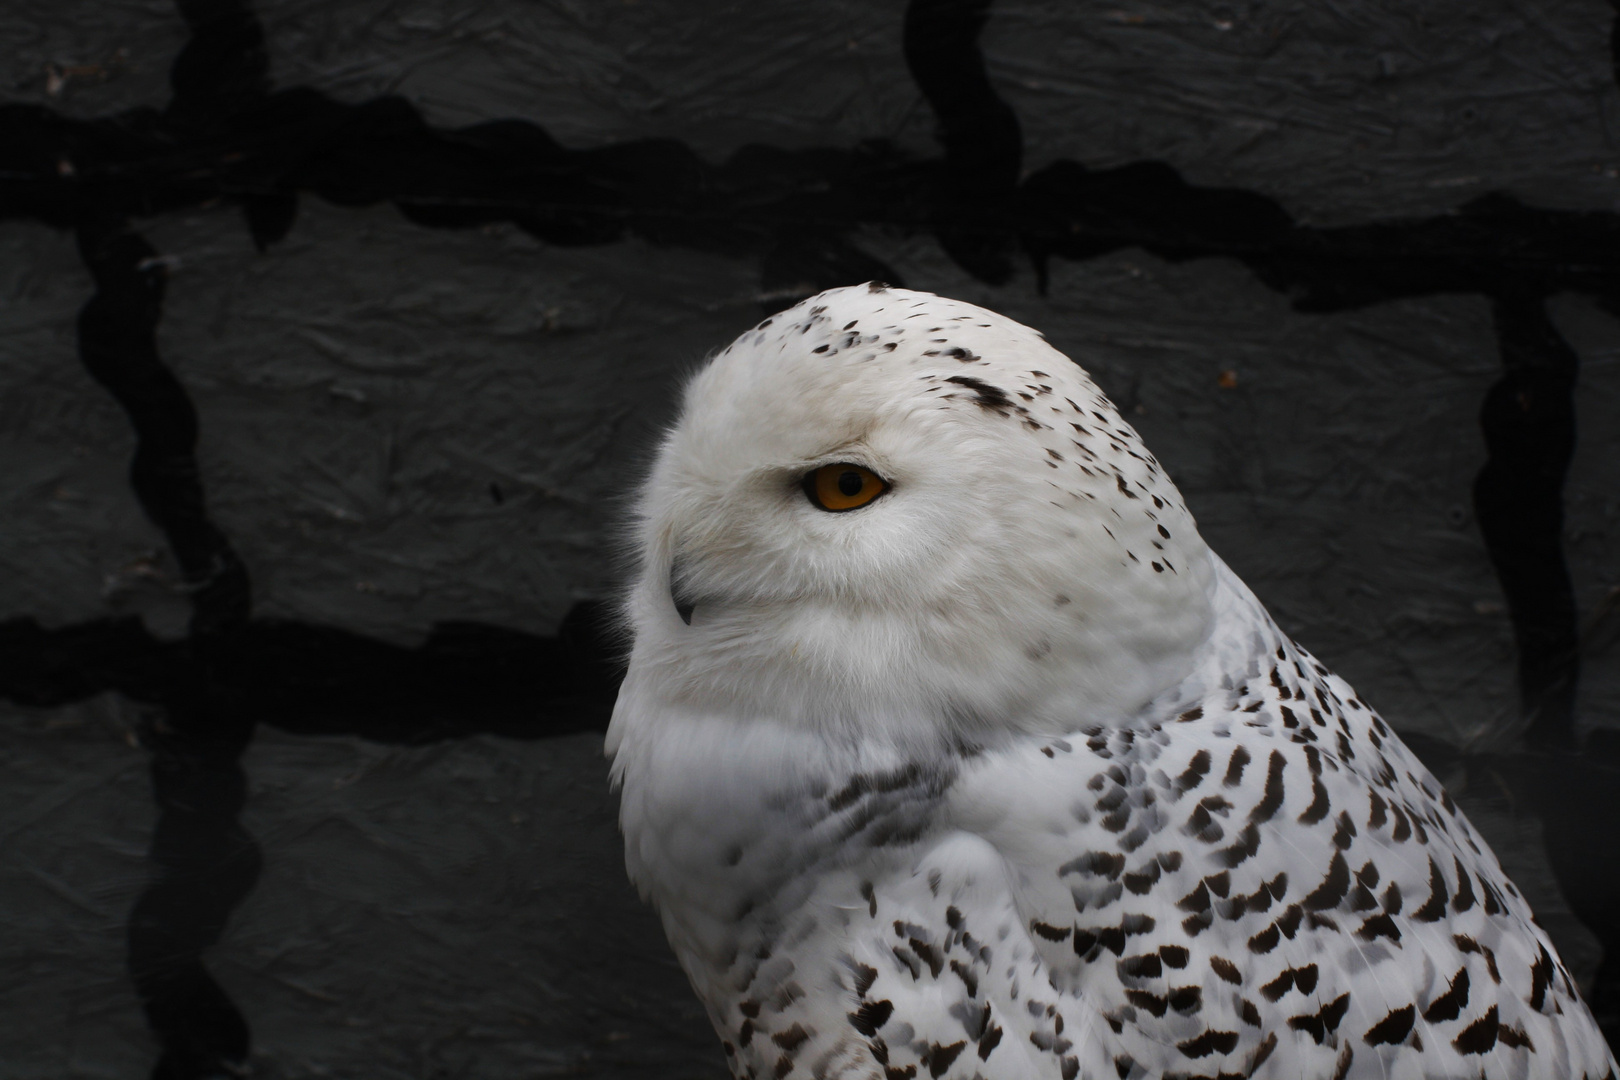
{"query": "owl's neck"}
{"type": "Point", "coordinates": [897, 678]}
{"type": "Point", "coordinates": [728, 818]}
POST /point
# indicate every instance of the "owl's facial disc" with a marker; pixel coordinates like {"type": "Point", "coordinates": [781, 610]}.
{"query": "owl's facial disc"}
{"type": "Point", "coordinates": [883, 502]}
{"type": "Point", "coordinates": [836, 488]}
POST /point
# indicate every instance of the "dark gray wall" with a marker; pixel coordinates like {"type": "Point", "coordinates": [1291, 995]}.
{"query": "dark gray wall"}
{"type": "Point", "coordinates": [367, 383]}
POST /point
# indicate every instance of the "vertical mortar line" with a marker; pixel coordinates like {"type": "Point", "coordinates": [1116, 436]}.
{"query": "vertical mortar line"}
{"type": "Point", "coordinates": [117, 344]}
{"type": "Point", "coordinates": [1528, 421]}
{"type": "Point", "coordinates": [974, 189]}
{"type": "Point", "coordinates": [203, 861]}
{"type": "Point", "coordinates": [1614, 41]}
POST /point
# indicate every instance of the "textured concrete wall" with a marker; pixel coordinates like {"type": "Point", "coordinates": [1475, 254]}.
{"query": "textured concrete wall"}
{"type": "Point", "coordinates": [404, 425]}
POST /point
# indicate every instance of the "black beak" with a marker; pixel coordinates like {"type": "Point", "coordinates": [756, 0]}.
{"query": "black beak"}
{"type": "Point", "coordinates": [684, 605]}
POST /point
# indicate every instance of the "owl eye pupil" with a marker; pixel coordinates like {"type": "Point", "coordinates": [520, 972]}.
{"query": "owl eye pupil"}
{"type": "Point", "coordinates": [842, 486]}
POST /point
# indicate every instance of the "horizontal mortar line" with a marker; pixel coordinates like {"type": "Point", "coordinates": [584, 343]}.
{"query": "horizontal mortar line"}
{"type": "Point", "coordinates": [464, 679]}
{"type": "Point", "coordinates": [756, 193]}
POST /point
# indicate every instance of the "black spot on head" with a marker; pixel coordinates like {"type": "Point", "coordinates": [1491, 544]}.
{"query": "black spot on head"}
{"type": "Point", "coordinates": [990, 397]}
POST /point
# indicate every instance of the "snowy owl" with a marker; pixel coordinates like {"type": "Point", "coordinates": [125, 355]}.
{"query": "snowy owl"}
{"type": "Point", "coordinates": [948, 749]}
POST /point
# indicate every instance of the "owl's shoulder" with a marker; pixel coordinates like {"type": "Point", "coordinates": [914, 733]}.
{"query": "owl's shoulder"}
{"type": "Point", "coordinates": [1262, 870]}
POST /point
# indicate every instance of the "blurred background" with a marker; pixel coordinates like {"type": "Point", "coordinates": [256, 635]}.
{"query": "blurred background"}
{"type": "Point", "coordinates": [334, 332]}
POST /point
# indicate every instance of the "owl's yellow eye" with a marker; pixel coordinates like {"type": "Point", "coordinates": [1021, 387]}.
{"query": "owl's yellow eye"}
{"type": "Point", "coordinates": [842, 486]}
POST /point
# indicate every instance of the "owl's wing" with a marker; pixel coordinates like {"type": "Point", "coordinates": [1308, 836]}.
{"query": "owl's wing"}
{"type": "Point", "coordinates": [1265, 884]}
{"type": "Point", "coordinates": [1268, 884]}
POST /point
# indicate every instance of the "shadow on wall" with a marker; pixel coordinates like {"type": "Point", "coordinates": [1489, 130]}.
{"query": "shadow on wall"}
{"type": "Point", "coordinates": [228, 135]}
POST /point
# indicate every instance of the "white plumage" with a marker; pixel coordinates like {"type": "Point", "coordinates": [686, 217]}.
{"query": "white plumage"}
{"type": "Point", "coordinates": [947, 748]}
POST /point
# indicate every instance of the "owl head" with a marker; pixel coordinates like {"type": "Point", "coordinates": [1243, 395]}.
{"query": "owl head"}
{"type": "Point", "coordinates": [883, 514]}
